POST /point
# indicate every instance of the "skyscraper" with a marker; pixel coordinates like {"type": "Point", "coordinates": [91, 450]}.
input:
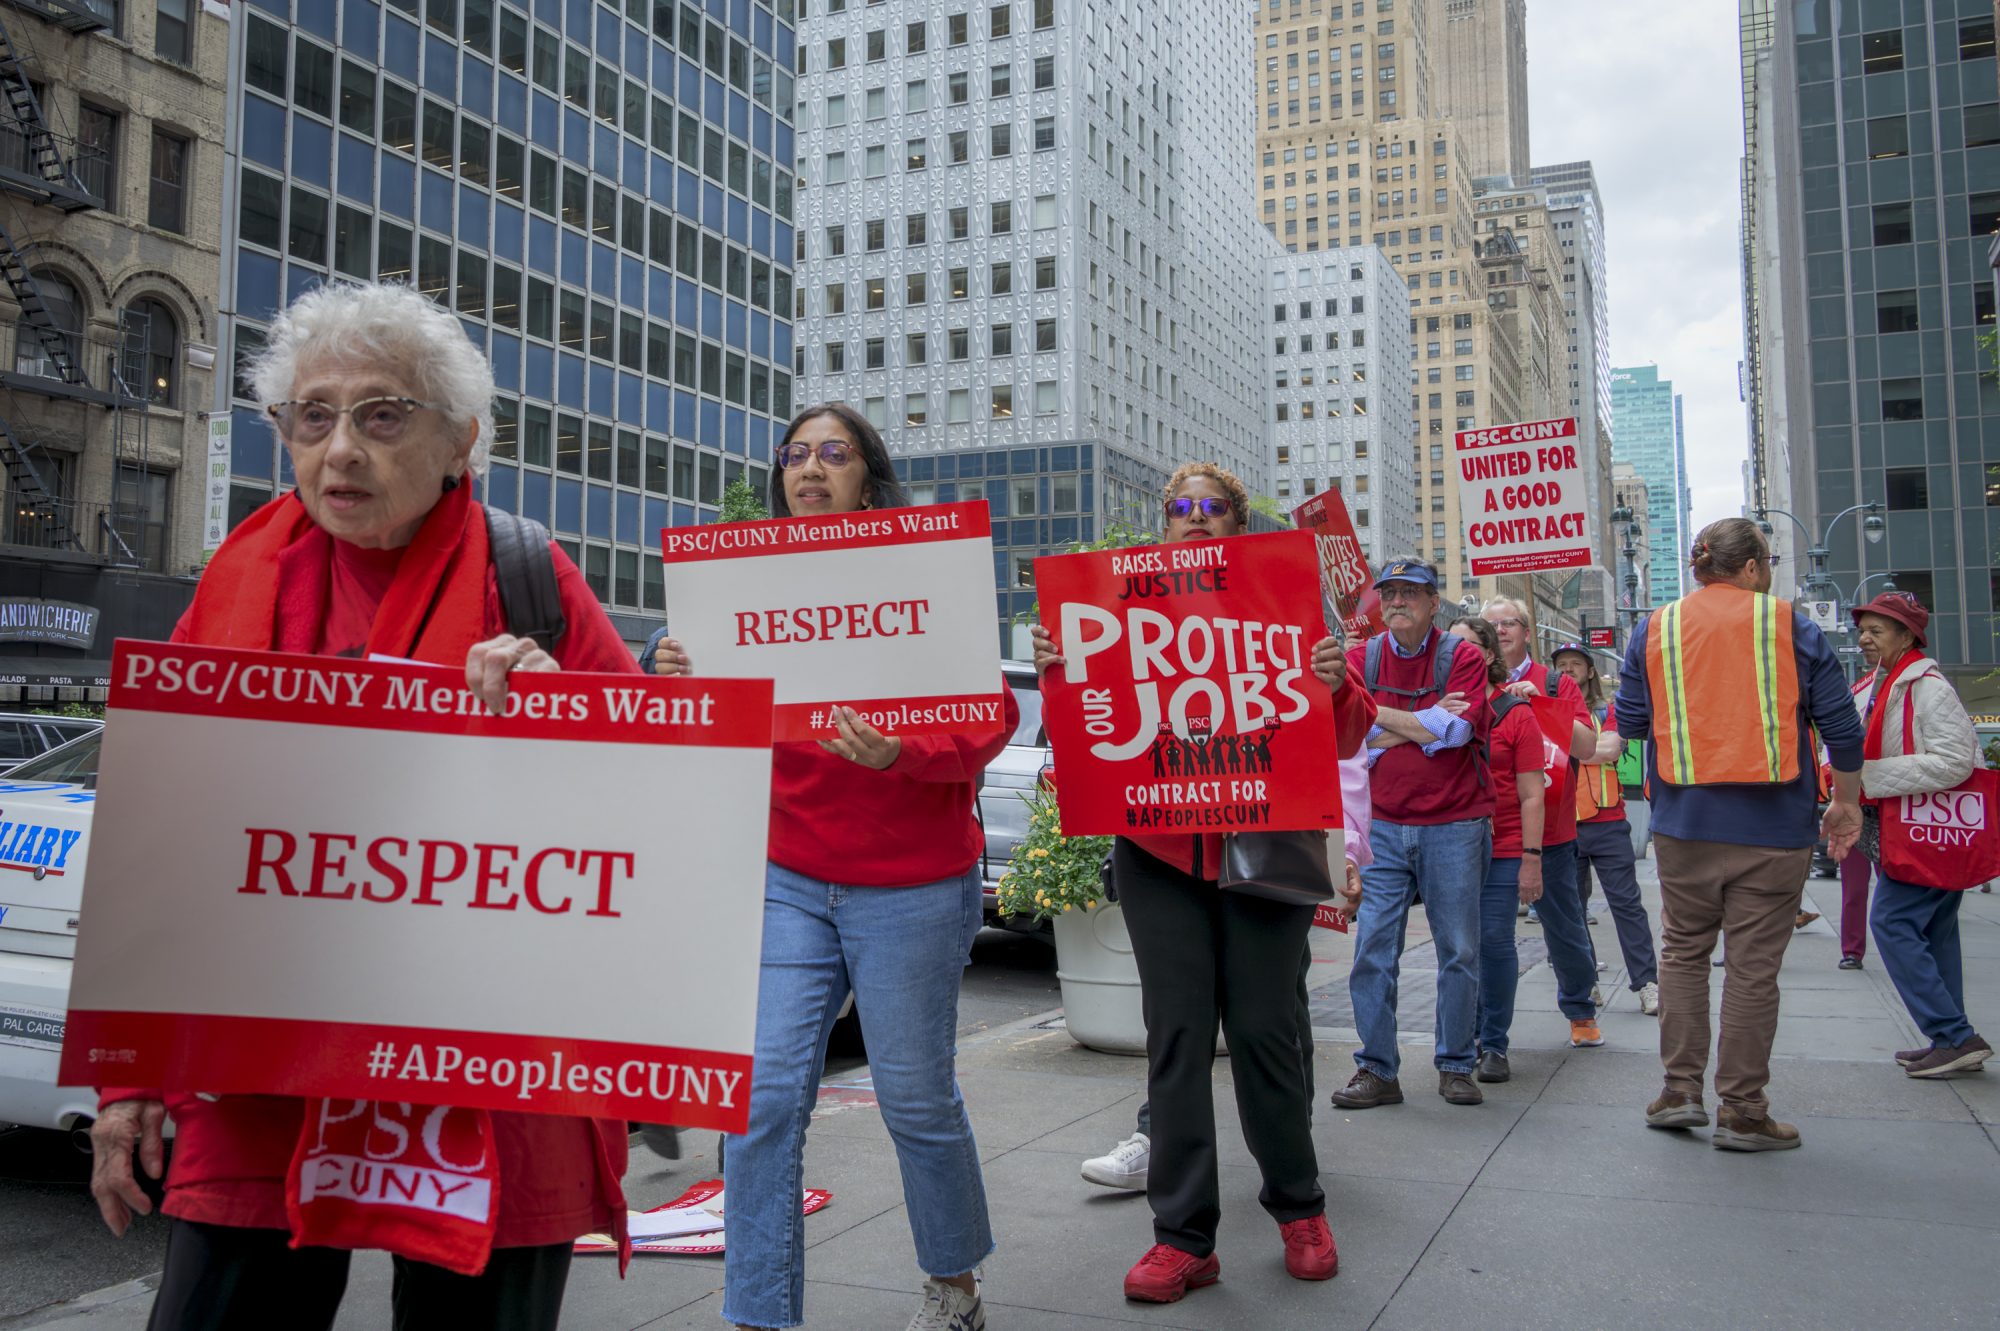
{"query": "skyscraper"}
{"type": "Point", "coordinates": [1479, 78]}
{"type": "Point", "coordinates": [1650, 440]}
{"type": "Point", "coordinates": [1029, 252]}
{"type": "Point", "coordinates": [606, 205]}
{"type": "Point", "coordinates": [1879, 129]}
{"type": "Point", "coordinates": [1576, 216]}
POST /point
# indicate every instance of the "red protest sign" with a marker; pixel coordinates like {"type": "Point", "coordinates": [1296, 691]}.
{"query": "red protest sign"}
{"type": "Point", "coordinates": [1521, 491]}
{"type": "Point", "coordinates": [1556, 716]}
{"type": "Point", "coordinates": [1187, 703]}
{"type": "Point", "coordinates": [1343, 567]}
{"type": "Point", "coordinates": [1600, 637]}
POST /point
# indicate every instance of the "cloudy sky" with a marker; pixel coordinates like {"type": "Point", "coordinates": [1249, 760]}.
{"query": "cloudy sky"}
{"type": "Point", "coordinates": [1652, 95]}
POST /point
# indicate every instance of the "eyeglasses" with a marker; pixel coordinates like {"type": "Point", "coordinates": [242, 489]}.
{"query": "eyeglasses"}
{"type": "Point", "coordinates": [1508, 623]}
{"type": "Point", "coordinates": [380, 420]}
{"type": "Point", "coordinates": [1183, 508]}
{"type": "Point", "coordinates": [832, 453]}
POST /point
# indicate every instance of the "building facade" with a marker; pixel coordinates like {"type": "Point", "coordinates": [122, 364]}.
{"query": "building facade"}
{"type": "Point", "coordinates": [1895, 128]}
{"type": "Point", "coordinates": [110, 176]}
{"type": "Point", "coordinates": [1651, 442]}
{"type": "Point", "coordinates": [1479, 78]}
{"type": "Point", "coordinates": [1340, 353]}
{"type": "Point", "coordinates": [606, 201]}
{"type": "Point", "coordinates": [1027, 233]}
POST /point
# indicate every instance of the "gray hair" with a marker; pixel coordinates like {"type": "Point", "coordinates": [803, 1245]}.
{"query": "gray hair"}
{"type": "Point", "coordinates": [1509, 603]}
{"type": "Point", "coordinates": [389, 324]}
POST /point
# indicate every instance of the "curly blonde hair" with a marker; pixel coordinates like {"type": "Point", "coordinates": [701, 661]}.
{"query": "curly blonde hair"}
{"type": "Point", "coordinates": [1239, 497]}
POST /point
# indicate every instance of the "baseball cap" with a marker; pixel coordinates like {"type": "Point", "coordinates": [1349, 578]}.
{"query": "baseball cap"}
{"type": "Point", "coordinates": [1409, 570]}
{"type": "Point", "coordinates": [1576, 647]}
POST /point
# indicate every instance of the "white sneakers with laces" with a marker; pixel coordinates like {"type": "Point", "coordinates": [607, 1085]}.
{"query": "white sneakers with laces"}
{"type": "Point", "coordinates": [948, 1308]}
{"type": "Point", "coordinates": [1649, 999]}
{"type": "Point", "coordinates": [1124, 1166]}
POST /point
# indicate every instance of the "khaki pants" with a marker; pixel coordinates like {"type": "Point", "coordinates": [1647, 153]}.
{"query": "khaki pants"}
{"type": "Point", "coordinates": [1751, 895]}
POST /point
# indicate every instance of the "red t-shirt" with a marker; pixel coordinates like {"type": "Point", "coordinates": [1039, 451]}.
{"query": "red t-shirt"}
{"type": "Point", "coordinates": [1405, 786]}
{"type": "Point", "coordinates": [1515, 750]}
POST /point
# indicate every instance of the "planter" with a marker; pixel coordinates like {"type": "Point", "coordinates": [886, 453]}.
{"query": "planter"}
{"type": "Point", "coordinates": [1100, 981]}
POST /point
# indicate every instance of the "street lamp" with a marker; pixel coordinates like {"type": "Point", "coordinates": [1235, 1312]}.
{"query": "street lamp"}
{"type": "Point", "coordinates": [1888, 585]}
{"type": "Point", "coordinates": [1624, 515]}
{"type": "Point", "coordinates": [1872, 528]}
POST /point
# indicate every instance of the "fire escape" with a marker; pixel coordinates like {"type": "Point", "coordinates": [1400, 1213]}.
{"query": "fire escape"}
{"type": "Point", "coordinates": [40, 168]}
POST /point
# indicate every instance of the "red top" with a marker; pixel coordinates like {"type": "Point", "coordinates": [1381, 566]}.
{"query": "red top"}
{"type": "Point", "coordinates": [1515, 750]}
{"type": "Point", "coordinates": [905, 826]}
{"type": "Point", "coordinates": [558, 1175]}
{"type": "Point", "coordinates": [1561, 824]}
{"type": "Point", "coordinates": [1353, 714]}
{"type": "Point", "coordinates": [1406, 786]}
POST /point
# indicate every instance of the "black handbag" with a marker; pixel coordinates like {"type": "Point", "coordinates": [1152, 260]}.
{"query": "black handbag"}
{"type": "Point", "coordinates": [1278, 866]}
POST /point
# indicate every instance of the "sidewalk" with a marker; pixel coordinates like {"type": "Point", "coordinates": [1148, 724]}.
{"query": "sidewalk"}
{"type": "Point", "coordinates": [1549, 1206]}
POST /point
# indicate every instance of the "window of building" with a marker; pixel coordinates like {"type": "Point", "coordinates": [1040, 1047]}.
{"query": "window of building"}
{"type": "Point", "coordinates": [1982, 125]}
{"type": "Point", "coordinates": [1000, 140]}
{"type": "Point", "coordinates": [1891, 223]}
{"type": "Point", "coordinates": [1000, 340]}
{"type": "Point", "coordinates": [1045, 273]}
{"type": "Point", "coordinates": [166, 199]}
{"type": "Point", "coordinates": [95, 161]}
{"type": "Point", "coordinates": [1902, 399]}
{"type": "Point", "coordinates": [1889, 136]}
{"type": "Point", "coordinates": [1000, 279]}
{"type": "Point", "coordinates": [1907, 487]}
{"type": "Point", "coordinates": [1882, 52]}
{"type": "Point", "coordinates": [1896, 311]}
{"type": "Point", "coordinates": [1975, 39]}
{"type": "Point", "coordinates": [1984, 211]}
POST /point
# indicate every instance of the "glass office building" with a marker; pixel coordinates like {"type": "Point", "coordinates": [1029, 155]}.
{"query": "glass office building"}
{"type": "Point", "coordinates": [601, 192]}
{"type": "Point", "coordinates": [1650, 437]}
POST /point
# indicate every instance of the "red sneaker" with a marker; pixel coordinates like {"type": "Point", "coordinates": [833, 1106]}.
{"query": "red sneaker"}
{"type": "Point", "coordinates": [1165, 1275]}
{"type": "Point", "coordinates": [1309, 1250]}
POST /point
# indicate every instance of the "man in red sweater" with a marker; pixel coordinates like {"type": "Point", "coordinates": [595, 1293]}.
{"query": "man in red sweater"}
{"type": "Point", "coordinates": [1433, 807]}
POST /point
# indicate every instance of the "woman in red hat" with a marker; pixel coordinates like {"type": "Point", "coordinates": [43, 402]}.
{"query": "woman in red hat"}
{"type": "Point", "coordinates": [1919, 741]}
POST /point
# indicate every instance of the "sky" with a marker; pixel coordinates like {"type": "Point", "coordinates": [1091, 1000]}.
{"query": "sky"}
{"type": "Point", "coordinates": [1651, 95]}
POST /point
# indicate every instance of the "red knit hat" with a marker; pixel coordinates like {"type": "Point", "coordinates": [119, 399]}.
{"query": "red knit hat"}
{"type": "Point", "coordinates": [1902, 607]}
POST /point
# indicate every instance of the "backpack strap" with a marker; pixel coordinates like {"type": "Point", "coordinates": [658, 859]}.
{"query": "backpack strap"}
{"type": "Point", "coordinates": [1442, 662]}
{"type": "Point", "coordinates": [525, 571]}
{"type": "Point", "coordinates": [1502, 705]}
{"type": "Point", "coordinates": [1371, 664]}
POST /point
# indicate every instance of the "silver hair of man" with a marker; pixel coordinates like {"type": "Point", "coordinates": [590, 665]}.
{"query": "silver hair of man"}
{"type": "Point", "coordinates": [389, 325]}
{"type": "Point", "coordinates": [1508, 602]}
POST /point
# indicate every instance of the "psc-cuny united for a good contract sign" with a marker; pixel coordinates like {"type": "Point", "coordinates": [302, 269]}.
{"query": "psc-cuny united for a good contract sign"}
{"type": "Point", "coordinates": [886, 611]}
{"type": "Point", "coordinates": [323, 877]}
{"type": "Point", "coordinates": [1520, 491]}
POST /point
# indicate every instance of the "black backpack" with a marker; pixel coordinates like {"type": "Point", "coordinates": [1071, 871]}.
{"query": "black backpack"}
{"type": "Point", "coordinates": [524, 568]}
{"type": "Point", "coordinates": [1441, 664]}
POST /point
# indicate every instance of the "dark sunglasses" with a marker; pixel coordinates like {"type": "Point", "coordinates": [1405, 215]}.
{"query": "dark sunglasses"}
{"type": "Point", "coordinates": [832, 453]}
{"type": "Point", "coordinates": [1183, 508]}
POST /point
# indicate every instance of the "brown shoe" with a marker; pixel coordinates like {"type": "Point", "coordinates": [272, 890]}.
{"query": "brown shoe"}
{"type": "Point", "coordinates": [1457, 1089]}
{"type": "Point", "coordinates": [1944, 1062]}
{"type": "Point", "coordinates": [1676, 1109]}
{"type": "Point", "coordinates": [1803, 918]}
{"type": "Point", "coordinates": [1365, 1090]}
{"type": "Point", "coordinates": [1909, 1056]}
{"type": "Point", "coordinates": [1736, 1131]}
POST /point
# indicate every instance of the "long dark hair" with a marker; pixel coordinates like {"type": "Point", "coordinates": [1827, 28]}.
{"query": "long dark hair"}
{"type": "Point", "coordinates": [1724, 547]}
{"type": "Point", "coordinates": [1488, 637]}
{"type": "Point", "coordinates": [881, 489]}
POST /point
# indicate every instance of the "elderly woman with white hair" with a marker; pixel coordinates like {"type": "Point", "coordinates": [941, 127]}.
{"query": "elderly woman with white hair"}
{"type": "Point", "coordinates": [384, 406]}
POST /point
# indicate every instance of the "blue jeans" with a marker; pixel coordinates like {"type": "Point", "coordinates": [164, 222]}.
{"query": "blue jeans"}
{"type": "Point", "coordinates": [1607, 848]}
{"type": "Point", "coordinates": [1568, 939]}
{"type": "Point", "coordinates": [1450, 861]}
{"type": "Point", "coordinates": [901, 951]}
{"type": "Point", "coordinates": [1916, 937]}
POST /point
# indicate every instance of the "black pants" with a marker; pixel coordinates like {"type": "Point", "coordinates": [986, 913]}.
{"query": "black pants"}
{"type": "Point", "coordinates": [1203, 954]}
{"type": "Point", "coordinates": [220, 1278]}
{"type": "Point", "coordinates": [1306, 1045]}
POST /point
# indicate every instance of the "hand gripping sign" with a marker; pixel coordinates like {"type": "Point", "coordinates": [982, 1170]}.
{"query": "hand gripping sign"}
{"type": "Point", "coordinates": [1354, 605]}
{"type": "Point", "coordinates": [1188, 703]}
{"type": "Point", "coordinates": [322, 877]}
{"type": "Point", "coordinates": [888, 611]}
{"type": "Point", "coordinates": [1521, 493]}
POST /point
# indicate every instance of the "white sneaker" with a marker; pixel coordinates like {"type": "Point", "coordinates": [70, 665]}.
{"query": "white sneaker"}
{"type": "Point", "coordinates": [1124, 1166]}
{"type": "Point", "coordinates": [1649, 999]}
{"type": "Point", "coordinates": [949, 1308]}
{"type": "Point", "coordinates": [1603, 966]}
{"type": "Point", "coordinates": [1596, 996]}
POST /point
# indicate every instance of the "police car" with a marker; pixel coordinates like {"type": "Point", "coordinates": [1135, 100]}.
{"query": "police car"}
{"type": "Point", "coordinates": [45, 808]}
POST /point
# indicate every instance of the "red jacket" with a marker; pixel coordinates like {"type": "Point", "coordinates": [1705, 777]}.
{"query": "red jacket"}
{"type": "Point", "coordinates": [559, 1177]}
{"type": "Point", "coordinates": [1201, 856]}
{"type": "Point", "coordinates": [904, 826]}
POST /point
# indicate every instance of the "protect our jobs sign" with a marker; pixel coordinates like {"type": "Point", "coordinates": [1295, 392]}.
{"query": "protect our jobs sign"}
{"type": "Point", "coordinates": [1352, 604]}
{"type": "Point", "coordinates": [340, 879]}
{"type": "Point", "coordinates": [887, 611]}
{"type": "Point", "coordinates": [1188, 702]}
{"type": "Point", "coordinates": [1520, 489]}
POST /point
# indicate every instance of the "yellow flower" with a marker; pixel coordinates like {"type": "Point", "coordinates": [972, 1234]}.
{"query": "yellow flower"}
{"type": "Point", "coordinates": [1038, 853]}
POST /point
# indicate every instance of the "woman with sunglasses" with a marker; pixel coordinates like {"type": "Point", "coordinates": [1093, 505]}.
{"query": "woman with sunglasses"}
{"type": "Point", "coordinates": [1205, 954]}
{"type": "Point", "coordinates": [873, 888]}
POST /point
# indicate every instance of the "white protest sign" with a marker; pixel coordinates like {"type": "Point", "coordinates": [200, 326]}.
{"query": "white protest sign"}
{"type": "Point", "coordinates": [887, 611]}
{"type": "Point", "coordinates": [1522, 496]}
{"type": "Point", "coordinates": [215, 523]}
{"type": "Point", "coordinates": [323, 877]}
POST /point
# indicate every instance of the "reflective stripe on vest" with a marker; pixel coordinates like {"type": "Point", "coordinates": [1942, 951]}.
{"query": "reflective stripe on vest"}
{"type": "Point", "coordinates": [1597, 787]}
{"type": "Point", "coordinates": [1725, 688]}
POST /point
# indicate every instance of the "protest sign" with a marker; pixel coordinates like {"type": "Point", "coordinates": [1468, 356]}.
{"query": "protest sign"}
{"type": "Point", "coordinates": [1557, 717]}
{"type": "Point", "coordinates": [1188, 703]}
{"type": "Point", "coordinates": [1520, 489]}
{"type": "Point", "coordinates": [1602, 636]}
{"type": "Point", "coordinates": [887, 611]}
{"type": "Point", "coordinates": [1343, 568]}
{"type": "Point", "coordinates": [323, 877]}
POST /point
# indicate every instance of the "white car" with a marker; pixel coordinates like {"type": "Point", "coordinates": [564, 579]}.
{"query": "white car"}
{"type": "Point", "coordinates": [45, 808]}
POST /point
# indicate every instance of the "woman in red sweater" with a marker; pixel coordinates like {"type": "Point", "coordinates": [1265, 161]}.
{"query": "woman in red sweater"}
{"type": "Point", "coordinates": [1203, 954]}
{"type": "Point", "coordinates": [873, 888]}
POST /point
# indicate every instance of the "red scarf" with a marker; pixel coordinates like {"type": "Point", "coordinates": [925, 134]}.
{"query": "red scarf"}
{"type": "Point", "coordinates": [418, 1181]}
{"type": "Point", "coordinates": [1878, 707]}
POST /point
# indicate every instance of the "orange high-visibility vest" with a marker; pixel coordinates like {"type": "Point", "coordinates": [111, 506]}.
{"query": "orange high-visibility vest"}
{"type": "Point", "coordinates": [1598, 789]}
{"type": "Point", "coordinates": [1725, 685]}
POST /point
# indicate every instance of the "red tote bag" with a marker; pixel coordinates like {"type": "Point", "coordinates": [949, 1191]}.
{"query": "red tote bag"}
{"type": "Point", "coordinates": [1947, 839]}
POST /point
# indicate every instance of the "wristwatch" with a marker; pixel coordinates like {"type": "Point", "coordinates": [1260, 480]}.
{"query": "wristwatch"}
{"type": "Point", "coordinates": [1536, 851]}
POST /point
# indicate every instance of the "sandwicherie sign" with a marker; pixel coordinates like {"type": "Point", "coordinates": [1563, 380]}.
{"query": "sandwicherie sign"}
{"type": "Point", "coordinates": [63, 623]}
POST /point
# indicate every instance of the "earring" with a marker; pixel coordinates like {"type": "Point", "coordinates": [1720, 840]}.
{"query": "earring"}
{"type": "Point", "coordinates": [450, 484]}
